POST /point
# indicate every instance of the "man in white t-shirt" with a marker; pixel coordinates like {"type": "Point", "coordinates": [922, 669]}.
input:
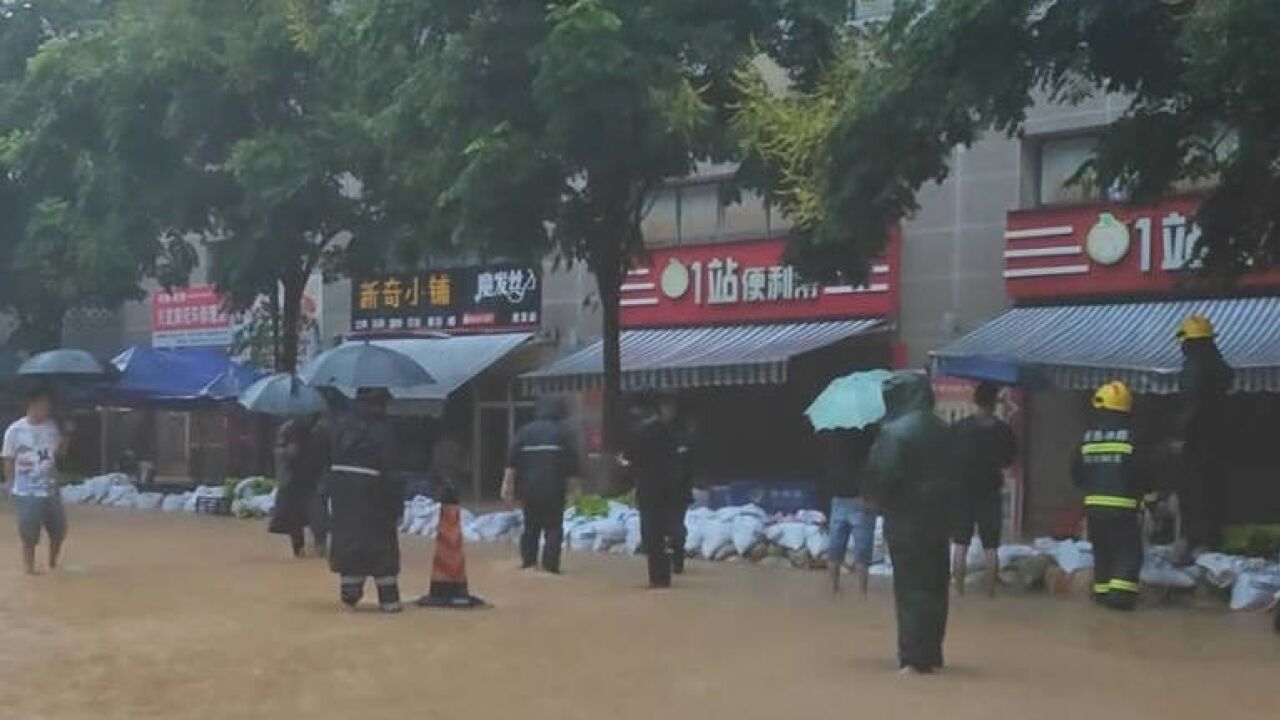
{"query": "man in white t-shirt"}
{"type": "Point", "coordinates": [31, 449]}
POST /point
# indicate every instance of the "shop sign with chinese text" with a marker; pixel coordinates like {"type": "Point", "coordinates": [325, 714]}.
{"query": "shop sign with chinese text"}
{"type": "Point", "coordinates": [745, 282]}
{"type": "Point", "coordinates": [456, 300]}
{"type": "Point", "coordinates": [1105, 250]}
{"type": "Point", "coordinates": [189, 317]}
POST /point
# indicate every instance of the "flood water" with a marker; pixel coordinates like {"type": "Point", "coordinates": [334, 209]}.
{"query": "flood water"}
{"type": "Point", "coordinates": [154, 616]}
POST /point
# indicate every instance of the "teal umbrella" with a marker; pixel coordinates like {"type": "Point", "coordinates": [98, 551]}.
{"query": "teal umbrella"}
{"type": "Point", "coordinates": [851, 402]}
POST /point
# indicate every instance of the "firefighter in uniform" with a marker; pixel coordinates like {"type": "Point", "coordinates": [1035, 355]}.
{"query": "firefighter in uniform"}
{"type": "Point", "coordinates": [1203, 426]}
{"type": "Point", "coordinates": [1107, 468]}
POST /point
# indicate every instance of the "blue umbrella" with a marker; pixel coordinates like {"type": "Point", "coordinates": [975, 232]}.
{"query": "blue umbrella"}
{"type": "Point", "coordinates": [282, 394]}
{"type": "Point", "coordinates": [62, 363]}
{"type": "Point", "coordinates": [851, 402]}
{"type": "Point", "coordinates": [363, 366]}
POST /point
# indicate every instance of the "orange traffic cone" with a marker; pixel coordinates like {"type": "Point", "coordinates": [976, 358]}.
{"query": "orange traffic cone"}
{"type": "Point", "coordinates": [449, 568]}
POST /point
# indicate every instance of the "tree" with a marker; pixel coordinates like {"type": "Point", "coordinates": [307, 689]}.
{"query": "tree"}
{"type": "Point", "coordinates": [1199, 75]}
{"type": "Point", "coordinates": [534, 127]}
{"type": "Point", "coordinates": [231, 128]}
{"type": "Point", "coordinates": [67, 239]}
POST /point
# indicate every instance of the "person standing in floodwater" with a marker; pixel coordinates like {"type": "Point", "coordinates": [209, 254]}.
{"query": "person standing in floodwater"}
{"type": "Point", "coordinates": [653, 456]}
{"type": "Point", "coordinates": [32, 446]}
{"type": "Point", "coordinates": [542, 464]}
{"type": "Point", "coordinates": [909, 478]}
{"type": "Point", "coordinates": [301, 459]}
{"type": "Point", "coordinates": [365, 497]}
{"type": "Point", "coordinates": [985, 446]}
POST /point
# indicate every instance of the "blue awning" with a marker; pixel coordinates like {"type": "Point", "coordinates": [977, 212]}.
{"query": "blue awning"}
{"type": "Point", "coordinates": [672, 358]}
{"type": "Point", "coordinates": [1078, 347]}
{"type": "Point", "coordinates": [176, 376]}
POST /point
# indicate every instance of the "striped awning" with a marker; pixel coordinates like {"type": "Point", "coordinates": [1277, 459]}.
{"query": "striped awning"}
{"type": "Point", "coordinates": [1079, 347]}
{"type": "Point", "coordinates": [672, 358]}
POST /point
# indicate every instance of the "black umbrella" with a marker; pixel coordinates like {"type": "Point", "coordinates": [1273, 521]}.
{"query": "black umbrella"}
{"type": "Point", "coordinates": [360, 365]}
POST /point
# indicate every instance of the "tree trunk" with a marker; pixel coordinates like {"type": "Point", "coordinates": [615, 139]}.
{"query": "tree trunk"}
{"type": "Point", "coordinates": [294, 287]}
{"type": "Point", "coordinates": [608, 280]}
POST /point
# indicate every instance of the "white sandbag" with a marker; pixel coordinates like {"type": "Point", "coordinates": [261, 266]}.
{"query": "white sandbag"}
{"type": "Point", "coordinates": [619, 511]}
{"type": "Point", "coordinates": [879, 548]}
{"type": "Point", "coordinates": [747, 531]}
{"type": "Point", "coordinates": [816, 541]}
{"type": "Point", "coordinates": [174, 502]}
{"type": "Point", "coordinates": [1220, 570]}
{"type": "Point", "coordinates": [260, 505]}
{"type": "Point", "coordinates": [633, 534]}
{"type": "Point", "coordinates": [582, 535]}
{"type": "Point", "coordinates": [76, 494]}
{"type": "Point", "coordinates": [1010, 554]}
{"type": "Point", "coordinates": [715, 537]}
{"type": "Point", "coordinates": [1254, 590]}
{"type": "Point", "coordinates": [492, 526]}
{"type": "Point", "coordinates": [250, 487]}
{"type": "Point", "coordinates": [608, 534]}
{"type": "Point", "coordinates": [148, 501]}
{"type": "Point", "coordinates": [121, 496]}
{"type": "Point", "coordinates": [1073, 555]}
{"type": "Point", "coordinates": [1159, 572]}
{"type": "Point", "coordinates": [812, 517]}
{"type": "Point", "coordinates": [791, 536]}
{"type": "Point", "coordinates": [469, 535]}
{"type": "Point", "coordinates": [693, 535]}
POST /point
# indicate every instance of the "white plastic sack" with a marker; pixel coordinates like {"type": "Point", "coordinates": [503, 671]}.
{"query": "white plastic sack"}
{"type": "Point", "coordinates": [1072, 555]}
{"type": "Point", "coordinates": [1220, 570]}
{"type": "Point", "coordinates": [174, 502]}
{"type": "Point", "coordinates": [76, 494]}
{"type": "Point", "coordinates": [816, 541]}
{"type": "Point", "coordinates": [619, 511]}
{"type": "Point", "coordinates": [747, 531]}
{"type": "Point", "coordinates": [879, 549]}
{"type": "Point", "coordinates": [247, 488]}
{"type": "Point", "coordinates": [121, 496]}
{"type": "Point", "coordinates": [581, 534]}
{"type": "Point", "coordinates": [812, 517]}
{"type": "Point", "coordinates": [715, 537]}
{"type": "Point", "coordinates": [260, 504]}
{"type": "Point", "coordinates": [148, 501]}
{"type": "Point", "coordinates": [790, 535]}
{"type": "Point", "coordinates": [1010, 554]}
{"type": "Point", "coordinates": [1158, 571]}
{"type": "Point", "coordinates": [608, 534]}
{"type": "Point", "coordinates": [1254, 590]}
{"type": "Point", "coordinates": [492, 526]}
{"type": "Point", "coordinates": [633, 534]}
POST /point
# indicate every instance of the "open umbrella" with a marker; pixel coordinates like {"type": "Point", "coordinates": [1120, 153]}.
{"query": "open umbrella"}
{"type": "Point", "coordinates": [361, 365]}
{"type": "Point", "coordinates": [851, 402]}
{"type": "Point", "coordinates": [64, 363]}
{"type": "Point", "coordinates": [282, 394]}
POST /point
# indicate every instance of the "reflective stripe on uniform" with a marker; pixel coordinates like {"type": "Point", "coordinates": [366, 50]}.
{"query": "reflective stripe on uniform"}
{"type": "Point", "coordinates": [355, 469]}
{"type": "Point", "coordinates": [1107, 448]}
{"type": "Point", "coordinates": [1111, 501]}
{"type": "Point", "coordinates": [1123, 585]}
{"type": "Point", "coordinates": [1099, 588]}
{"type": "Point", "coordinates": [541, 448]}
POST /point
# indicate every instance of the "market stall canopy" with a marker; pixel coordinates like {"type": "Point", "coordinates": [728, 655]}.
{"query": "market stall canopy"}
{"type": "Point", "coordinates": [1078, 347]}
{"type": "Point", "coordinates": [452, 360]}
{"type": "Point", "coordinates": [176, 376]}
{"type": "Point", "coordinates": [673, 358]}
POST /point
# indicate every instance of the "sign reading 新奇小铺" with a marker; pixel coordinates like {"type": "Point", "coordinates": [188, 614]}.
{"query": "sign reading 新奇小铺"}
{"type": "Point", "coordinates": [745, 282]}
{"type": "Point", "coordinates": [456, 300]}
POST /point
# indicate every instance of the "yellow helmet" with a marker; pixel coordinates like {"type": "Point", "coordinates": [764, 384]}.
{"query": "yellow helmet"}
{"type": "Point", "coordinates": [1195, 327]}
{"type": "Point", "coordinates": [1114, 396]}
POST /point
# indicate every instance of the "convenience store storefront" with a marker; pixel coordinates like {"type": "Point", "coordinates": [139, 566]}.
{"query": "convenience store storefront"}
{"type": "Point", "coordinates": [745, 344]}
{"type": "Point", "coordinates": [1099, 292]}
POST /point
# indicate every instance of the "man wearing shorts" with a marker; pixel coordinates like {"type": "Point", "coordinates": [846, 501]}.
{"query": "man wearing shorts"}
{"type": "Point", "coordinates": [986, 446]}
{"type": "Point", "coordinates": [846, 453]}
{"type": "Point", "coordinates": [30, 451]}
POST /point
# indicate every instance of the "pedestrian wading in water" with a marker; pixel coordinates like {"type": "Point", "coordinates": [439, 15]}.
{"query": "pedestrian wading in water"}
{"type": "Point", "coordinates": [652, 457]}
{"type": "Point", "coordinates": [366, 502]}
{"type": "Point", "coordinates": [985, 446]}
{"type": "Point", "coordinates": [302, 459]}
{"type": "Point", "coordinates": [541, 465]}
{"type": "Point", "coordinates": [32, 446]}
{"type": "Point", "coordinates": [910, 479]}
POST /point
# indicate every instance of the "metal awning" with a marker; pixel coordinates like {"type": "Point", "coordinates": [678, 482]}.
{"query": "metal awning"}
{"type": "Point", "coordinates": [699, 356]}
{"type": "Point", "coordinates": [452, 361]}
{"type": "Point", "coordinates": [1078, 347]}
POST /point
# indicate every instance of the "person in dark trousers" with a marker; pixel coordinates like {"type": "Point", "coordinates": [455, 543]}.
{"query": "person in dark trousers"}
{"type": "Point", "coordinates": [1203, 436]}
{"type": "Point", "coordinates": [1109, 468]}
{"type": "Point", "coordinates": [542, 464]}
{"type": "Point", "coordinates": [653, 456]}
{"type": "Point", "coordinates": [686, 447]}
{"type": "Point", "coordinates": [301, 460]}
{"type": "Point", "coordinates": [366, 502]}
{"type": "Point", "coordinates": [985, 446]}
{"type": "Point", "coordinates": [845, 455]}
{"type": "Point", "coordinates": [910, 478]}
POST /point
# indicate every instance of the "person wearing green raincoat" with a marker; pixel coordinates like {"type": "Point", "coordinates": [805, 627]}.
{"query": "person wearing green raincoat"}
{"type": "Point", "coordinates": [909, 479]}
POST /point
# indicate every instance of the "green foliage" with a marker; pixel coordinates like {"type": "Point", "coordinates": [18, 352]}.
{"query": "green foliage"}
{"type": "Point", "coordinates": [1200, 76]}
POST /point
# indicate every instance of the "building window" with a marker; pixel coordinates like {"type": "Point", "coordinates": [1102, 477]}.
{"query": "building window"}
{"type": "Point", "coordinates": [661, 224]}
{"type": "Point", "coordinates": [1058, 163]}
{"type": "Point", "coordinates": [684, 214]}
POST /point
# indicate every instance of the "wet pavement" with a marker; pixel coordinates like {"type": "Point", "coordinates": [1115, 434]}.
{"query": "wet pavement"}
{"type": "Point", "coordinates": [156, 616]}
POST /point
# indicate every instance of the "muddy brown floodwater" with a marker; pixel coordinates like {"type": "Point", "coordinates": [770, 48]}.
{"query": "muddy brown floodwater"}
{"type": "Point", "coordinates": [154, 616]}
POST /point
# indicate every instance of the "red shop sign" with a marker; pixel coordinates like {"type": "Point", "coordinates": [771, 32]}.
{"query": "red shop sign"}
{"type": "Point", "coordinates": [1104, 250]}
{"type": "Point", "coordinates": [745, 282]}
{"type": "Point", "coordinates": [189, 317]}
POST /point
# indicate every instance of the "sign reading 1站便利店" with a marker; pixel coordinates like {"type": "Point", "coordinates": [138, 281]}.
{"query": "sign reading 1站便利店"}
{"type": "Point", "coordinates": [1106, 250]}
{"type": "Point", "coordinates": [189, 317]}
{"type": "Point", "coordinates": [455, 300]}
{"type": "Point", "coordinates": [746, 282]}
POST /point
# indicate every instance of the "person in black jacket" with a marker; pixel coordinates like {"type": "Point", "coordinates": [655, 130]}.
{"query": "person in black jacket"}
{"type": "Point", "coordinates": [543, 462]}
{"type": "Point", "coordinates": [1203, 436]}
{"type": "Point", "coordinates": [985, 446]}
{"type": "Point", "coordinates": [366, 501]}
{"type": "Point", "coordinates": [653, 456]}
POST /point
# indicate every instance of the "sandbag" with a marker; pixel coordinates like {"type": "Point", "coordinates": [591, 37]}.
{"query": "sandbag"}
{"type": "Point", "coordinates": [791, 536]}
{"type": "Point", "coordinates": [816, 541]}
{"type": "Point", "coordinates": [1220, 570]}
{"type": "Point", "coordinates": [492, 526]}
{"type": "Point", "coordinates": [174, 502]}
{"type": "Point", "coordinates": [121, 496]}
{"type": "Point", "coordinates": [633, 534]}
{"type": "Point", "coordinates": [715, 537]}
{"type": "Point", "coordinates": [748, 531]}
{"type": "Point", "coordinates": [608, 534]}
{"type": "Point", "coordinates": [148, 501]}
